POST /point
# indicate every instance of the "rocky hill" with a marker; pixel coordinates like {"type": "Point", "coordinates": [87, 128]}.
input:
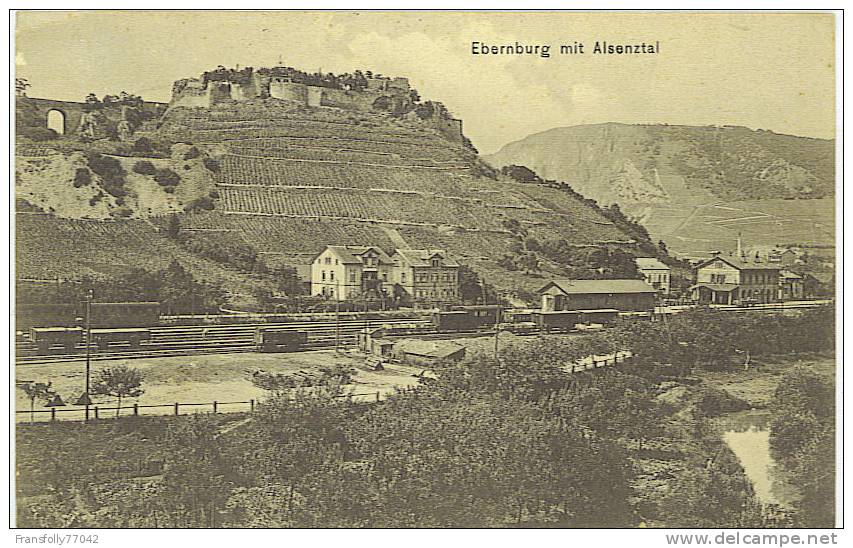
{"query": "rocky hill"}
{"type": "Point", "coordinates": [662, 173]}
{"type": "Point", "coordinates": [277, 180]}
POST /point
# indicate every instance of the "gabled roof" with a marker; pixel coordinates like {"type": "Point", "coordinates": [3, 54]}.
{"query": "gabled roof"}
{"type": "Point", "coordinates": [650, 263]}
{"type": "Point", "coordinates": [431, 349]}
{"type": "Point", "coordinates": [351, 254]}
{"type": "Point", "coordinates": [739, 263]}
{"type": "Point", "coordinates": [421, 257]}
{"type": "Point", "coordinates": [584, 287]}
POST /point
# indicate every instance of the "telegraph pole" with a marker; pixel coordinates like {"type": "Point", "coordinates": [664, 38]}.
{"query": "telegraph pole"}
{"type": "Point", "coordinates": [84, 398]}
{"type": "Point", "coordinates": [337, 315]}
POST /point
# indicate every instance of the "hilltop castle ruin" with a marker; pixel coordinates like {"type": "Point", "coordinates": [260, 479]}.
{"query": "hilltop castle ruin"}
{"type": "Point", "coordinates": [360, 92]}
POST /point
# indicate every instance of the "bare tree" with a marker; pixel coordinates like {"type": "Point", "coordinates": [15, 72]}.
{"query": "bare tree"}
{"type": "Point", "coordinates": [119, 382]}
{"type": "Point", "coordinates": [37, 391]}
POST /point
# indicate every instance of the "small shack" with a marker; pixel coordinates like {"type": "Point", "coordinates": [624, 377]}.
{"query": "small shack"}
{"type": "Point", "coordinates": [373, 341]}
{"type": "Point", "coordinates": [427, 353]}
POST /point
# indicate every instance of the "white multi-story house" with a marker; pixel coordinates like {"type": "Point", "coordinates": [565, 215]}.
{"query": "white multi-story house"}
{"type": "Point", "coordinates": [349, 271]}
{"type": "Point", "coordinates": [655, 273]}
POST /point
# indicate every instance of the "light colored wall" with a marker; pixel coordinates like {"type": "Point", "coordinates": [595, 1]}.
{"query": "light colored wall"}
{"type": "Point", "coordinates": [732, 274]}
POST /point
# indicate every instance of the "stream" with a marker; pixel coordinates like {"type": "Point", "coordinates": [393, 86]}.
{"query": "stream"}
{"type": "Point", "coordinates": [747, 434]}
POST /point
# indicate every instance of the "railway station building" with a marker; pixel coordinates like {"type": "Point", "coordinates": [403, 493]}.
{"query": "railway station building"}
{"type": "Point", "coordinates": [736, 280]}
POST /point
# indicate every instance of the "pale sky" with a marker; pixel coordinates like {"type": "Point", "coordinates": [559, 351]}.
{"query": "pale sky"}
{"type": "Point", "coordinates": [763, 71]}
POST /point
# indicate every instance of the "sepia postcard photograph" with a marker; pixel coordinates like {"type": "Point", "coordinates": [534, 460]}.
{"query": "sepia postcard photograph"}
{"type": "Point", "coordinates": [425, 269]}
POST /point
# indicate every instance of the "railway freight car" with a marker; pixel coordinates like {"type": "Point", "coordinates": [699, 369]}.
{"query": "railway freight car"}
{"type": "Point", "coordinates": [269, 339]}
{"type": "Point", "coordinates": [561, 321]}
{"type": "Point", "coordinates": [47, 339]}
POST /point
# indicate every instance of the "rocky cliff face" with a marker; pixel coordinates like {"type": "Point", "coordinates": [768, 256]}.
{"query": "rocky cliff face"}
{"type": "Point", "coordinates": [654, 164]}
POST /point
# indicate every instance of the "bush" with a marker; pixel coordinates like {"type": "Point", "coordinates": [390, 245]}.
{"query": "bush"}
{"type": "Point", "coordinates": [211, 165]}
{"type": "Point", "coordinates": [123, 212]}
{"type": "Point", "coordinates": [192, 153]}
{"type": "Point", "coordinates": [166, 177]}
{"type": "Point", "coordinates": [38, 133]}
{"type": "Point", "coordinates": [82, 177]}
{"type": "Point", "coordinates": [111, 173]}
{"type": "Point", "coordinates": [204, 203]}
{"type": "Point", "coordinates": [144, 167]}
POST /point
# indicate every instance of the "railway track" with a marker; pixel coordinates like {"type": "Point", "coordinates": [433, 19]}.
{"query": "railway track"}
{"type": "Point", "coordinates": [195, 340]}
{"type": "Point", "coordinates": [228, 338]}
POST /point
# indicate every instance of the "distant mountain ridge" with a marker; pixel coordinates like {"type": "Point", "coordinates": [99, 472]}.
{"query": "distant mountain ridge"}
{"type": "Point", "coordinates": [651, 164]}
{"type": "Point", "coordinates": [696, 188]}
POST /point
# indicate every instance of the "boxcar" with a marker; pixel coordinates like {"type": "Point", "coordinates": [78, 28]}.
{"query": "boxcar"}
{"type": "Point", "coordinates": [279, 340]}
{"type": "Point", "coordinates": [560, 321]}
{"type": "Point", "coordinates": [46, 338]}
{"type": "Point", "coordinates": [604, 316]}
{"type": "Point", "coordinates": [130, 335]}
{"type": "Point", "coordinates": [454, 320]}
{"type": "Point", "coordinates": [485, 315]}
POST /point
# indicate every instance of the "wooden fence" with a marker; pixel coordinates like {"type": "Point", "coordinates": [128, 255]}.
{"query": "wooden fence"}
{"type": "Point", "coordinates": [97, 412]}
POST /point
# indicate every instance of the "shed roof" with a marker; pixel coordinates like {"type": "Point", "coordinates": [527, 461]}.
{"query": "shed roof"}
{"type": "Point", "coordinates": [650, 263]}
{"type": "Point", "coordinates": [584, 287]}
{"type": "Point", "coordinates": [431, 349]}
{"type": "Point", "coordinates": [421, 257]}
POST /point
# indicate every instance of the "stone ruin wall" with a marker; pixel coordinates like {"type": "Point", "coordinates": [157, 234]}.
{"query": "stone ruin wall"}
{"type": "Point", "coordinates": [190, 93]}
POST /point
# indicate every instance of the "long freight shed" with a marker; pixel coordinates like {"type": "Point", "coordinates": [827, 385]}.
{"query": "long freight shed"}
{"type": "Point", "coordinates": [622, 295]}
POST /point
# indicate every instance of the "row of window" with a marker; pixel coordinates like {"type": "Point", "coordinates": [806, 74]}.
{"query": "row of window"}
{"type": "Point", "coordinates": [353, 276]}
{"type": "Point", "coordinates": [747, 279]}
{"type": "Point", "coordinates": [434, 276]}
{"type": "Point", "coordinates": [657, 278]}
{"type": "Point", "coordinates": [443, 293]}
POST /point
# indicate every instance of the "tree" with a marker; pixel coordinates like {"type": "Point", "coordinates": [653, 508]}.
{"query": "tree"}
{"type": "Point", "coordinates": [21, 85]}
{"type": "Point", "coordinates": [120, 382]}
{"type": "Point", "coordinates": [37, 391]}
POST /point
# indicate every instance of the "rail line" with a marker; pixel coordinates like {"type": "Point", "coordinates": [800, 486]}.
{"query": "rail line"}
{"type": "Point", "coordinates": [230, 338]}
{"type": "Point", "coordinates": [215, 339]}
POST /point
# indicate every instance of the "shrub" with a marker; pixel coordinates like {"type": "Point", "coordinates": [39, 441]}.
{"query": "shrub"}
{"type": "Point", "coordinates": [122, 212]}
{"type": "Point", "coordinates": [192, 153]}
{"type": "Point", "coordinates": [144, 167]}
{"type": "Point", "coordinates": [203, 203]}
{"type": "Point", "coordinates": [166, 177]}
{"type": "Point", "coordinates": [211, 165]}
{"type": "Point", "coordinates": [82, 177]}
{"type": "Point", "coordinates": [111, 173]}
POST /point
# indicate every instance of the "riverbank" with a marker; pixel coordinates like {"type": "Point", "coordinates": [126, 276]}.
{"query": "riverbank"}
{"type": "Point", "coordinates": [756, 385]}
